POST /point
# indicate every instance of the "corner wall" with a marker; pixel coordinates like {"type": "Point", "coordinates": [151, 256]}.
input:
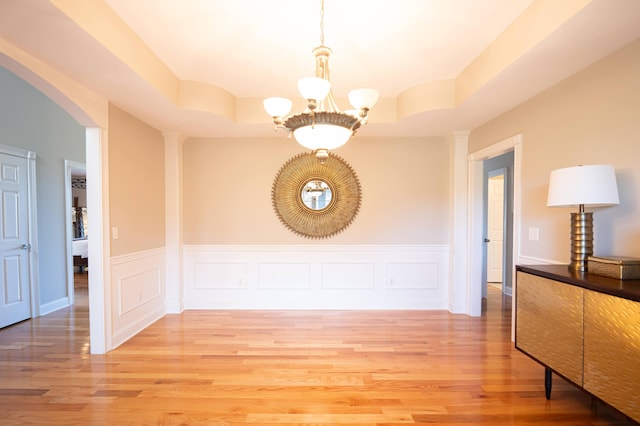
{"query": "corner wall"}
{"type": "Point", "coordinates": [238, 255]}
{"type": "Point", "coordinates": [30, 120]}
{"type": "Point", "coordinates": [137, 210]}
{"type": "Point", "coordinates": [590, 118]}
{"type": "Point", "coordinates": [227, 191]}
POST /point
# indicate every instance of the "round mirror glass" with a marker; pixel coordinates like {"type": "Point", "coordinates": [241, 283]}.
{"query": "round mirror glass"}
{"type": "Point", "coordinates": [316, 194]}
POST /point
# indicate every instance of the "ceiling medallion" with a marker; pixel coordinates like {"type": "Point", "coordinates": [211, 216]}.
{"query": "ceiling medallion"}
{"type": "Point", "coordinates": [321, 126]}
{"type": "Point", "coordinates": [316, 199]}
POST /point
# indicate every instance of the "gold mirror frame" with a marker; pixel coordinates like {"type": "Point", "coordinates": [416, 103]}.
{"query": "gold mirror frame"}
{"type": "Point", "coordinates": [295, 174]}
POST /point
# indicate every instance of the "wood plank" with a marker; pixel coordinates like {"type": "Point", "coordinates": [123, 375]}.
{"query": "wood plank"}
{"type": "Point", "coordinates": [285, 367]}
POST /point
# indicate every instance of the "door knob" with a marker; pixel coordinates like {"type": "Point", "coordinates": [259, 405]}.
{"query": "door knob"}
{"type": "Point", "coordinates": [486, 240]}
{"type": "Point", "coordinates": [26, 246]}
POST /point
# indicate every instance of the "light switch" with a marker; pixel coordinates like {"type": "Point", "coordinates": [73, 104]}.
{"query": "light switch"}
{"type": "Point", "coordinates": [534, 234]}
{"type": "Point", "coordinates": [114, 232]}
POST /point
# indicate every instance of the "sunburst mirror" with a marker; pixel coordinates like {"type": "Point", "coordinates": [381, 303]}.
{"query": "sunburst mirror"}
{"type": "Point", "coordinates": [316, 199]}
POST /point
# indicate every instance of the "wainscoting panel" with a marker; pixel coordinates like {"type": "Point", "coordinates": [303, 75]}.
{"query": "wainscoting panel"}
{"type": "Point", "coordinates": [348, 276]}
{"type": "Point", "coordinates": [270, 276]}
{"type": "Point", "coordinates": [137, 292]}
{"type": "Point", "coordinates": [423, 275]}
{"type": "Point", "coordinates": [228, 275]}
{"type": "Point", "coordinates": [316, 277]}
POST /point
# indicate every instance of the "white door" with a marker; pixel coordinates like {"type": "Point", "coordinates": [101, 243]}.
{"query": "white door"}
{"type": "Point", "coordinates": [15, 301]}
{"type": "Point", "coordinates": [495, 226]}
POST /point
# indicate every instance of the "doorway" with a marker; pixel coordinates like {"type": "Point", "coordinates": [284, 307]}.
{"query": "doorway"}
{"type": "Point", "coordinates": [76, 228]}
{"type": "Point", "coordinates": [498, 223]}
{"type": "Point", "coordinates": [476, 245]}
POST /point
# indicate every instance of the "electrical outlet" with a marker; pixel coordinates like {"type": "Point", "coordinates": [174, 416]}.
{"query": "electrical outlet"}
{"type": "Point", "coordinates": [534, 234]}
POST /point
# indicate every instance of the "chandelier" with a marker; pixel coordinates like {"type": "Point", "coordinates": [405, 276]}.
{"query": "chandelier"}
{"type": "Point", "coordinates": [321, 126]}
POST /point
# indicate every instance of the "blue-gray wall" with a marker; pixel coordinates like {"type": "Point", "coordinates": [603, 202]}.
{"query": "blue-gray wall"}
{"type": "Point", "coordinates": [30, 120]}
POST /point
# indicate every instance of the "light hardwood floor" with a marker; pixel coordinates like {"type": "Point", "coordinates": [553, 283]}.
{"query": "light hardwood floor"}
{"type": "Point", "coordinates": [285, 368]}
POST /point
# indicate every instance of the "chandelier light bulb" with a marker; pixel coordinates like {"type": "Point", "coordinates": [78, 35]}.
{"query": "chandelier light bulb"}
{"type": "Point", "coordinates": [277, 107]}
{"type": "Point", "coordinates": [322, 136]}
{"type": "Point", "coordinates": [314, 88]}
{"type": "Point", "coordinates": [363, 98]}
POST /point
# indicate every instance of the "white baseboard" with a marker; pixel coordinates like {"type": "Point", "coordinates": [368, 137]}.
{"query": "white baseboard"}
{"type": "Point", "coordinates": [175, 308]}
{"type": "Point", "coordinates": [53, 306]}
{"type": "Point", "coordinates": [140, 323]}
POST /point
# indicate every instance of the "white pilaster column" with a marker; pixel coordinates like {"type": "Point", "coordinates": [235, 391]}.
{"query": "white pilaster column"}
{"type": "Point", "coordinates": [97, 163]}
{"type": "Point", "coordinates": [458, 152]}
{"type": "Point", "coordinates": [173, 149]}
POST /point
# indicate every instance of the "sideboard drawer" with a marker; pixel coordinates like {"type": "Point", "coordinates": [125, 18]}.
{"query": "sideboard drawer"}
{"type": "Point", "coordinates": [549, 324]}
{"type": "Point", "coordinates": [612, 351]}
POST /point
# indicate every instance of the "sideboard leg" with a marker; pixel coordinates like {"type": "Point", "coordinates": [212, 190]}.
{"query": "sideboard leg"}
{"type": "Point", "coordinates": [547, 382]}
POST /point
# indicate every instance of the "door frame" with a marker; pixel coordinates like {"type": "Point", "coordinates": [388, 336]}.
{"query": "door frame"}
{"type": "Point", "coordinates": [476, 219]}
{"type": "Point", "coordinates": [69, 168]}
{"type": "Point", "coordinates": [32, 223]}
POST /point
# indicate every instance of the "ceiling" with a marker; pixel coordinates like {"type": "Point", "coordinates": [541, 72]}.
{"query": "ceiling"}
{"type": "Point", "coordinates": [201, 67]}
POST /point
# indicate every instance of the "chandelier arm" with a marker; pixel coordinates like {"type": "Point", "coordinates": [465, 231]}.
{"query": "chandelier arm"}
{"type": "Point", "coordinates": [329, 103]}
{"type": "Point", "coordinates": [277, 127]}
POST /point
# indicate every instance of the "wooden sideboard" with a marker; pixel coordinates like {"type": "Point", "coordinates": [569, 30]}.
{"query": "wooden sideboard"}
{"type": "Point", "coordinates": [583, 327]}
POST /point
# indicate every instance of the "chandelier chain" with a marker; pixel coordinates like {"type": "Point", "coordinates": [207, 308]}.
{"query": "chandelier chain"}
{"type": "Point", "coordinates": [321, 22]}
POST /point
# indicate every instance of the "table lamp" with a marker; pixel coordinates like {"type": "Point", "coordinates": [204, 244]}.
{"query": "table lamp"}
{"type": "Point", "coordinates": [581, 186]}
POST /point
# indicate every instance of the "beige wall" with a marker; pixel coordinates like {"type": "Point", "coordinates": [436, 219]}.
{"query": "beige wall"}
{"type": "Point", "coordinates": [136, 184]}
{"type": "Point", "coordinates": [227, 191]}
{"type": "Point", "coordinates": [591, 118]}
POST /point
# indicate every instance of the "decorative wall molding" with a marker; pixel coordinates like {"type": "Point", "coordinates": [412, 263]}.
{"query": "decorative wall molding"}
{"type": "Point", "coordinates": [137, 292]}
{"type": "Point", "coordinates": [316, 277]}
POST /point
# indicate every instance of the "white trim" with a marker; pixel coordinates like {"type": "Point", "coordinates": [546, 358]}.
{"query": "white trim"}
{"type": "Point", "coordinates": [32, 223]}
{"type": "Point", "coordinates": [99, 245]}
{"type": "Point", "coordinates": [475, 246]}
{"type": "Point", "coordinates": [138, 292]}
{"type": "Point", "coordinates": [312, 249]}
{"type": "Point", "coordinates": [34, 277]}
{"type": "Point", "coordinates": [17, 152]}
{"type": "Point", "coordinates": [69, 166]}
{"type": "Point", "coordinates": [173, 149]}
{"type": "Point", "coordinates": [47, 308]}
{"type": "Point", "coordinates": [122, 335]}
{"type": "Point", "coordinates": [139, 255]}
{"type": "Point", "coordinates": [316, 277]}
{"type": "Point", "coordinates": [458, 271]}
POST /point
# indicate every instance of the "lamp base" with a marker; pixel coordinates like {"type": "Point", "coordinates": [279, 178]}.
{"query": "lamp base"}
{"type": "Point", "coordinates": [581, 240]}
